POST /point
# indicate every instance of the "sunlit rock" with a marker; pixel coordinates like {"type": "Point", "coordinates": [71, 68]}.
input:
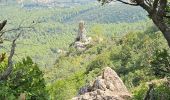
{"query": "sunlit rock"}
{"type": "Point", "coordinates": [82, 40]}
{"type": "Point", "coordinates": [108, 86]}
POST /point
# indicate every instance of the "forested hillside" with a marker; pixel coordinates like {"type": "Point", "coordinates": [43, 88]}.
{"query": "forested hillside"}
{"type": "Point", "coordinates": [56, 28]}
{"type": "Point", "coordinates": [42, 58]}
{"type": "Point", "coordinates": [137, 56]}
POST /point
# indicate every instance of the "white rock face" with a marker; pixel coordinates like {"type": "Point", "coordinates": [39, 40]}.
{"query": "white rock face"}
{"type": "Point", "coordinates": [108, 86]}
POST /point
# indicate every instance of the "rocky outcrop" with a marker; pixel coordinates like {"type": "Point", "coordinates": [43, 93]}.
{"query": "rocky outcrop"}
{"type": "Point", "coordinates": [108, 86]}
{"type": "Point", "coordinates": [81, 40]}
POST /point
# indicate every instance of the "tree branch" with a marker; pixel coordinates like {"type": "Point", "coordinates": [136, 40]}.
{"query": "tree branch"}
{"type": "Point", "coordinates": [144, 5]}
{"type": "Point", "coordinates": [124, 2]}
{"type": "Point", "coordinates": [148, 93]}
{"type": "Point", "coordinates": [136, 3]}
{"type": "Point", "coordinates": [157, 10]}
{"type": "Point", "coordinates": [3, 24]}
{"type": "Point", "coordinates": [148, 2]}
{"type": "Point", "coordinates": [7, 72]}
{"type": "Point", "coordinates": [17, 29]}
{"type": "Point", "coordinates": [9, 69]}
{"type": "Point", "coordinates": [155, 5]}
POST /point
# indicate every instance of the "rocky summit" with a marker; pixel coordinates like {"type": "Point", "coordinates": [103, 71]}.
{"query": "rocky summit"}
{"type": "Point", "coordinates": [108, 86]}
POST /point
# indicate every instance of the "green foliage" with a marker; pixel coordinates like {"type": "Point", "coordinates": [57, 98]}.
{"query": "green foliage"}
{"type": "Point", "coordinates": [66, 88]}
{"type": "Point", "coordinates": [101, 61]}
{"type": "Point", "coordinates": [131, 49]}
{"type": "Point", "coordinates": [57, 27]}
{"type": "Point", "coordinates": [25, 78]}
{"type": "Point", "coordinates": [130, 56]}
{"type": "Point", "coordinates": [139, 92]}
{"type": "Point", "coordinates": [161, 91]}
{"type": "Point", "coordinates": [161, 63]}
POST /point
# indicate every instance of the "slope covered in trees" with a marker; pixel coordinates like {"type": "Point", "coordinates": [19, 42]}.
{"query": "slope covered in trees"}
{"type": "Point", "coordinates": [134, 57]}
{"type": "Point", "coordinates": [57, 27]}
{"type": "Point", "coordinates": [123, 38]}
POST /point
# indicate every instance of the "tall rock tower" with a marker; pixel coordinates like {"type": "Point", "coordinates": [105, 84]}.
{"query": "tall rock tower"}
{"type": "Point", "coordinates": [81, 36]}
{"type": "Point", "coordinates": [81, 40]}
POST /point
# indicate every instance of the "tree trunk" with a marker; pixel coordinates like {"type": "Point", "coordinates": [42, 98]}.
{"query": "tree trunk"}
{"type": "Point", "coordinates": [159, 22]}
{"type": "Point", "coordinates": [167, 36]}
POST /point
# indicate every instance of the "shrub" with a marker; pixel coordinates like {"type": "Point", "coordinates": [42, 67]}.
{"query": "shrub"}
{"type": "Point", "coordinates": [26, 78]}
{"type": "Point", "coordinates": [161, 63]}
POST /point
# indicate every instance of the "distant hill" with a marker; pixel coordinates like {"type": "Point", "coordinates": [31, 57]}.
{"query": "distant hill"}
{"type": "Point", "coordinates": [91, 11]}
{"type": "Point", "coordinates": [50, 3]}
{"type": "Point", "coordinates": [46, 3]}
{"type": "Point", "coordinates": [109, 14]}
{"type": "Point", "coordinates": [97, 13]}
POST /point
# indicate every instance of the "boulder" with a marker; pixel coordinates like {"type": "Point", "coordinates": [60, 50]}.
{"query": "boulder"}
{"type": "Point", "coordinates": [108, 86]}
{"type": "Point", "coordinates": [82, 45]}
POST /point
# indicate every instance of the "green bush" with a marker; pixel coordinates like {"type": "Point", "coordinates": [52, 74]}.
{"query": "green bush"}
{"type": "Point", "coordinates": [101, 61]}
{"type": "Point", "coordinates": [139, 92]}
{"type": "Point", "coordinates": [161, 63]}
{"type": "Point", "coordinates": [65, 89]}
{"type": "Point", "coordinates": [161, 91]}
{"type": "Point", "coordinates": [27, 78]}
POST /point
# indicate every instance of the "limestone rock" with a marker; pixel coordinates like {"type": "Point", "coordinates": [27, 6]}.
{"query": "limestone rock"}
{"type": "Point", "coordinates": [108, 86]}
{"type": "Point", "coordinates": [81, 36]}
{"type": "Point", "coordinates": [81, 40]}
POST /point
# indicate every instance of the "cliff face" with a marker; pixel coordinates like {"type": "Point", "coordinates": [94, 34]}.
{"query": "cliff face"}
{"type": "Point", "coordinates": [108, 86]}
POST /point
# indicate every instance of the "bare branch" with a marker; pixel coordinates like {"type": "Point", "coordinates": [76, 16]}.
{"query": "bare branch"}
{"type": "Point", "coordinates": [17, 29]}
{"type": "Point", "coordinates": [9, 69]}
{"type": "Point", "coordinates": [124, 2]}
{"type": "Point", "coordinates": [143, 4]}
{"type": "Point", "coordinates": [31, 26]}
